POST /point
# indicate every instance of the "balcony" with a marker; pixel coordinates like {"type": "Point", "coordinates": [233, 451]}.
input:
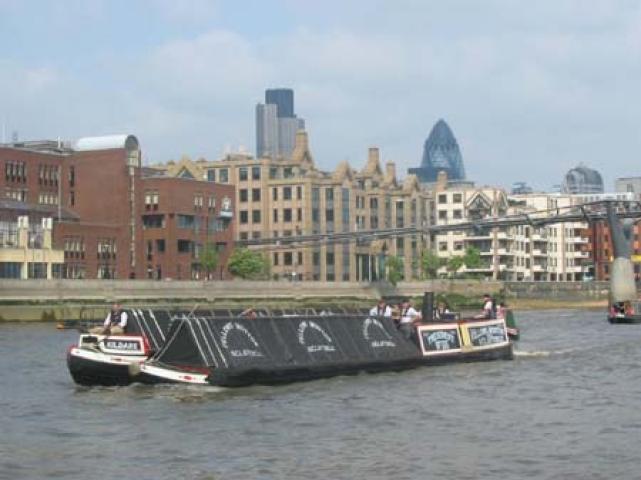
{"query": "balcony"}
{"type": "Point", "coordinates": [536, 252]}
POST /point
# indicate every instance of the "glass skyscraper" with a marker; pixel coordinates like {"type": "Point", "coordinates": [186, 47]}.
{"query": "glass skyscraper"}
{"type": "Point", "coordinates": [440, 153]}
{"type": "Point", "coordinates": [277, 124]}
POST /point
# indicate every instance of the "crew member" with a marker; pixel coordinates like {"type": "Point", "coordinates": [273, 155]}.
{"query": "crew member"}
{"type": "Point", "coordinates": [381, 309]}
{"type": "Point", "coordinates": [488, 308]}
{"type": "Point", "coordinates": [442, 311]}
{"type": "Point", "coordinates": [249, 313]}
{"type": "Point", "coordinates": [114, 324]}
{"type": "Point", "coordinates": [408, 317]}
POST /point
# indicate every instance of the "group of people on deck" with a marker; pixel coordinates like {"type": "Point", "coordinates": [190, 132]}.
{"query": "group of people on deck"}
{"type": "Point", "coordinates": [407, 317]}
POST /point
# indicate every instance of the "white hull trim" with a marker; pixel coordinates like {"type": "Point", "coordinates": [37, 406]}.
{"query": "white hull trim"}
{"type": "Point", "coordinates": [172, 375]}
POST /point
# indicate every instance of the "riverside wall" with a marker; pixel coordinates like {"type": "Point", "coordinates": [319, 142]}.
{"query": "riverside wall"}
{"type": "Point", "coordinates": [55, 300]}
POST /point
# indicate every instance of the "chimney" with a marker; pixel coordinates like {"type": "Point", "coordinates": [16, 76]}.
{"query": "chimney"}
{"type": "Point", "coordinates": [373, 155]}
{"type": "Point", "coordinates": [441, 180]}
{"type": "Point", "coordinates": [390, 172]}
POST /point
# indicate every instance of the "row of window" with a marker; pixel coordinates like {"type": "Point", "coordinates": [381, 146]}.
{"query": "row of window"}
{"type": "Point", "coordinates": [48, 174]}
{"type": "Point", "coordinates": [15, 171]}
{"type": "Point", "coordinates": [18, 194]}
{"type": "Point", "coordinates": [456, 198]}
{"type": "Point", "coordinates": [48, 199]}
{"type": "Point", "coordinates": [288, 258]}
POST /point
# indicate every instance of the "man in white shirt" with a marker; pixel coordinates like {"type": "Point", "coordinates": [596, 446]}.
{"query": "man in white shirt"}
{"type": "Point", "coordinates": [408, 317]}
{"type": "Point", "coordinates": [381, 309]}
{"type": "Point", "coordinates": [115, 323]}
{"type": "Point", "coordinates": [488, 308]}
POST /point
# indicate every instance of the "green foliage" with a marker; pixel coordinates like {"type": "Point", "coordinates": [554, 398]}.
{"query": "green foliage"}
{"type": "Point", "coordinates": [430, 263]}
{"type": "Point", "coordinates": [472, 258]}
{"type": "Point", "coordinates": [454, 264]}
{"type": "Point", "coordinates": [248, 265]}
{"type": "Point", "coordinates": [395, 269]}
{"type": "Point", "coordinates": [209, 259]}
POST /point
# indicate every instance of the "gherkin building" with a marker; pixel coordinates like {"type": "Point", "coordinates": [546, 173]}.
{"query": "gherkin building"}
{"type": "Point", "coordinates": [440, 153]}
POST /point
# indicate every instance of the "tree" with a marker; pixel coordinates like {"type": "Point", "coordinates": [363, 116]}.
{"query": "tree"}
{"type": "Point", "coordinates": [472, 258]}
{"type": "Point", "coordinates": [454, 264]}
{"type": "Point", "coordinates": [395, 269]}
{"type": "Point", "coordinates": [209, 259]}
{"type": "Point", "coordinates": [430, 263]}
{"type": "Point", "coordinates": [249, 265]}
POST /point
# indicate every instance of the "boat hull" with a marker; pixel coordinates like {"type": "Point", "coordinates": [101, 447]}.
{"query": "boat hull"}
{"type": "Point", "coordinates": [238, 377]}
{"type": "Point", "coordinates": [632, 319]}
{"type": "Point", "coordinates": [97, 369]}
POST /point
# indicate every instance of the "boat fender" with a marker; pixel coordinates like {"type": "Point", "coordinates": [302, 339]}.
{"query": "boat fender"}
{"type": "Point", "coordinates": [134, 369]}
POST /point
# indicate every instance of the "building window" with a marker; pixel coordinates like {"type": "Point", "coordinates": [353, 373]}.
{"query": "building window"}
{"type": "Point", "coordinates": [287, 193]}
{"type": "Point", "coordinates": [185, 221]}
{"type": "Point", "coordinates": [442, 198]}
{"type": "Point", "coordinates": [255, 173]}
{"type": "Point", "coordinates": [329, 258]}
{"type": "Point", "coordinates": [457, 214]}
{"type": "Point", "coordinates": [255, 194]}
{"type": "Point", "coordinates": [275, 193]}
{"type": "Point", "coordinates": [151, 200]}
{"type": "Point", "coordinates": [287, 215]}
{"type": "Point", "coordinates": [184, 246]}
{"type": "Point", "coordinates": [273, 173]}
{"type": "Point", "coordinates": [275, 215]}
{"type": "Point", "coordinates": [223, 175]}
{"type": "Point", "coordinates": [442, 246]}
{"type": "Point", "coordinates": [243, 194]}
{"type": "Point", "coordinates": [255, 216]}
{"type": "Point", "coordinates": [288, 172]}
{"type": "Point", "coordinates": [442, 214]}
{"type": "Point", "coordinates": [244, 216]}
{"type": "Point", "coordinates": [198, 201]}
{"type": "Point", "coordinates": [288, 259]}
{"type": "Point", "coordinates": [329, 193]}
{"type": "Point", "coordinates": [153, 221]}
{"type": "Point", "coordinates": [244, 235]}
{"type": "Point", "coordinates": [300, 258]}
{"type": "Point", "coordinates": [299, 215]}
{"type": "Point", "coordinates": [72, 198]}
{"type": "Point", "coordinates": [275, 258]}
{"type": "Point", "coordinates": [211, 175]}
{"type": "Point", "coordinates": [160, 245]}
{"type": "Point", "coordinates": [242, 174]}
{"type": "Point", "coordinates": [299, 192]}
{"type": "Point", "coordinates": [329, 215]}
{"type": "Point", "coordinates": [457, 198]}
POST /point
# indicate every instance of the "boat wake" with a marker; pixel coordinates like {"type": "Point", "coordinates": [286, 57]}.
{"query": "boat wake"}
{"type": "Point", "coordinates": [542, 353]}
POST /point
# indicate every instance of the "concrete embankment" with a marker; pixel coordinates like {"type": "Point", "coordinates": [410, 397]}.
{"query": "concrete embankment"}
{"type": "Point", "coordinates": [55, 300]}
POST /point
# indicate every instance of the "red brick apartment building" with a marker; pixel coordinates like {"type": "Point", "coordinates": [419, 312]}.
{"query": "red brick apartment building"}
{"type": "Point", "coordinates": [112, 217]}
{"type": "Point", "coordinates": [600, 246]}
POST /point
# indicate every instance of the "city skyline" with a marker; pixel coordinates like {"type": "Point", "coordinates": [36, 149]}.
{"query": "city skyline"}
{"type": "Point", "coordinates": [553, 85]}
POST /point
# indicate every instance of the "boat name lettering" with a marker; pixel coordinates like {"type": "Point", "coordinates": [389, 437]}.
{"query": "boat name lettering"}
{"type": "Point", "coordinates": [129, 345]}
{"type": "Point", "coordinates": [487, 334]}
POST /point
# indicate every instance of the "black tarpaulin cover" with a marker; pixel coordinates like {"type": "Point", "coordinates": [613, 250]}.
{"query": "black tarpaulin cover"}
{"type": "Point", "coordinates": [269, 347]}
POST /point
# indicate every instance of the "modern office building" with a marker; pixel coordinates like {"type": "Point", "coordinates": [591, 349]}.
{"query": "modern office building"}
{"type": "Point", "coordinates": [441, 153]}
{"type": "Point", "coordinates": [291, 197]}
{"type": "Point", "coordinates": [629, 185]}
{"type": "Point", "coordinates": [111, 217]}
{"type": "Point", "coordinates": [277, 124]}
{"type": "Point", "coordinates": [582, 180]}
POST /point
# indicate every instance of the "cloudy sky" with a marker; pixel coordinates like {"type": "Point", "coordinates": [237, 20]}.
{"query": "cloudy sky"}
{"type": "Point", "coordinates": [530, 89]}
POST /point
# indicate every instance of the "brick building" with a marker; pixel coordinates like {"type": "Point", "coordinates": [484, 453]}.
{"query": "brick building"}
{"type": "Point", "coordinates": [112, 217]}
{"type": "Point", "coordinates": [288, 197]}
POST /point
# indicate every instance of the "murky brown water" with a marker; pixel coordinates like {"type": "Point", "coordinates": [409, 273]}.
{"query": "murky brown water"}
{"type": "Point", "coordinates": [567, 407]}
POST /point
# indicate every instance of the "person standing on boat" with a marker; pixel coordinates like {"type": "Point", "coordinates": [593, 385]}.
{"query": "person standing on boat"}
{"type": "Point", "coordinates": [489, 311]}
{"type": "Point", "coordinates": [114, 324]}
{"type": "Point", "coordinates": [408, 317]}
{"type": "Point", "coordinates": [381, 309]}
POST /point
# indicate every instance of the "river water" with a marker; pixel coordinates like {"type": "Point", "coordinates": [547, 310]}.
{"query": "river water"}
{"type": "Point", "coordinates": [568, 406]}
